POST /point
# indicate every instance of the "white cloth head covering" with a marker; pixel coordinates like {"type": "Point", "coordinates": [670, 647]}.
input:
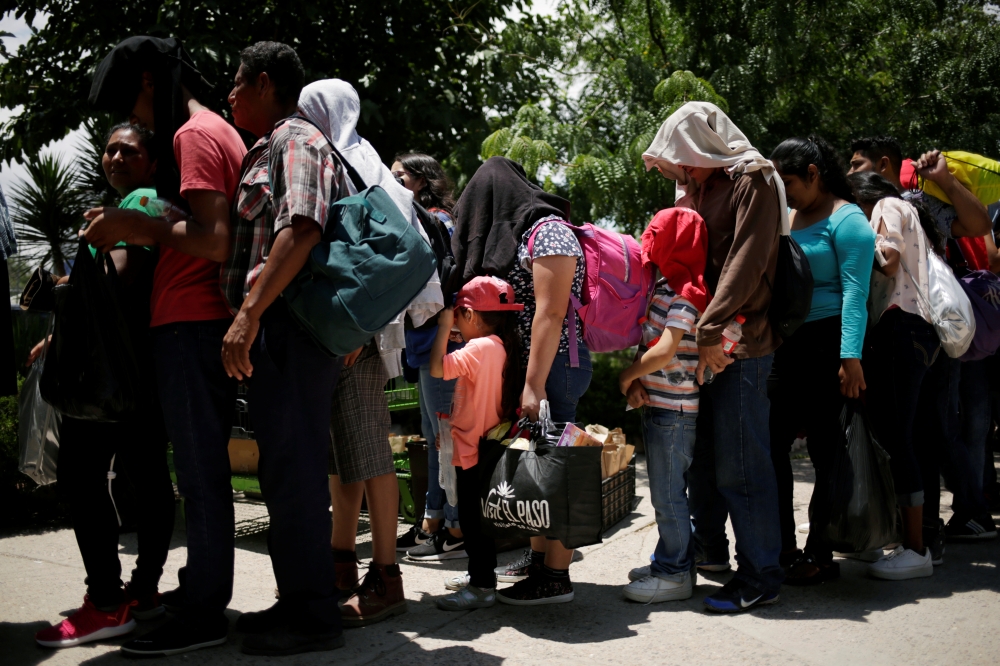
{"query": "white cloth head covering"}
{"type": "Point", "coordinates": [335, 107]}
{"type": "Point", "coordinates": [700, 134]}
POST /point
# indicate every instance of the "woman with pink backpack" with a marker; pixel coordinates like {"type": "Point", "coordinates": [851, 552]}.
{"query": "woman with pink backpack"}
{"type": "Point", "coordinates": [499, 212]}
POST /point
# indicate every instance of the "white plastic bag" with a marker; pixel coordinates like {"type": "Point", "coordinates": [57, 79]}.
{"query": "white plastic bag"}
{"type": "Point", "coordinates": [37, 431]}
{"type": "Point", "coordinates": [447, 477]}
{"type": "Point", "coordinates": [951, 311]}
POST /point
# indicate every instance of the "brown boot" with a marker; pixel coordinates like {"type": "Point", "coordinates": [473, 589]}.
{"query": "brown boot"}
{"type": "Point", "coordinates": [380, 596]}
{"type": "Point", "coordinates": [345, 564]}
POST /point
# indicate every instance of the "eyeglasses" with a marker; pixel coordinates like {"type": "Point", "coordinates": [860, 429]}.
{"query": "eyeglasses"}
{"type": "Point", "coordinates": [399, 173]}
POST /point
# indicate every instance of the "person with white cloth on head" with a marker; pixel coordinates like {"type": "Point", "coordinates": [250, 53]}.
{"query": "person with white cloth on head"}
{"type": "Point", "coordinates": [361, 458]}
{"type": "Point", "coordinates": [736, 190]}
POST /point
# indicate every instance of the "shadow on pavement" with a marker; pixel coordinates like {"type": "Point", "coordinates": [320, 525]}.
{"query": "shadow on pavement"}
{"type": "Point", "coordinates": [18, 641]}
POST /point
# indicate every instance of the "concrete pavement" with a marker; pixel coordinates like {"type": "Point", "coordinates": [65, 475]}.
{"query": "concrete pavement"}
{"type": "Point", "coordinates": [952, 617]}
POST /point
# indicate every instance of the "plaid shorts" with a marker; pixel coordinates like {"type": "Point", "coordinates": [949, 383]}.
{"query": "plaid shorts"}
{"type": "Point", "coordinates": [359, 421]}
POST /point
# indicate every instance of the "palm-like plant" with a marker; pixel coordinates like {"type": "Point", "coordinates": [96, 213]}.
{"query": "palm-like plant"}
{"type": "Point", "coordinates": [47, 209]}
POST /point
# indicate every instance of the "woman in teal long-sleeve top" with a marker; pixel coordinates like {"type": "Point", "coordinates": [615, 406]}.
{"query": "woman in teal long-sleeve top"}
{"type": "Point", "coordinates": [820, 365]}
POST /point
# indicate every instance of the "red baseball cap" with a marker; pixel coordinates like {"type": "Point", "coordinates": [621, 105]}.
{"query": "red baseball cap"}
{"type": "Point", "coordinates": [487, 294]}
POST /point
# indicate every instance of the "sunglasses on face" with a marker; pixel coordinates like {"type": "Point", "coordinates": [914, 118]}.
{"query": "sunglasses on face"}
{"type": "Point", "coordinates": [399, 173]}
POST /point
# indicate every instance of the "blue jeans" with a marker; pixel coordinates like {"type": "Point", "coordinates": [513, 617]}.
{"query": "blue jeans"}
{"type": "Point", "coordinates": [289, 399]}
{"type": "Point", "coordinates": [732, 474]}
{"type": "Point", "coordinates": [565, 385]}
{"type": "Point", "coordinates": [435, 396]}
{"type": "Point", "coordinates": [670, 437]}
{"type": "Point", "coordinates": [957, 465]}
{"type": "Point", "coordinates": [199, 401]}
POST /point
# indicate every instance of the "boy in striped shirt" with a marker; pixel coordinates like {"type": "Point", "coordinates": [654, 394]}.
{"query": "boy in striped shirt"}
{"type": "Point", "coordinates": [662, 381]}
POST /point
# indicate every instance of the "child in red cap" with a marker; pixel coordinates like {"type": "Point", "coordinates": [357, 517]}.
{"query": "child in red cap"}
{"type": "Point", "coordinates": [662, 381]}
{"type": "Point", "coordinates": [489, 385]}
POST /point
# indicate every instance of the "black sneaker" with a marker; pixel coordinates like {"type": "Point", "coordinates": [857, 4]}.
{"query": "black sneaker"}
{"type": "Point", "coordinates": [258, 622]}
{"type": "Point", "coordinates": [283, 641]}
{"type": "Point", "coordinates": [415, 537]}
{"type": "Point", "coordinates": [536, 590]}
{"type": "Point", "coordinates": [174, 600]}
{"type": "Point", "coordinates": [179, 635]}
{"type": "Point", "coordinates": [934, 540]}
{"type": "Point", "coordinates": [518, 570]}
{"type": "Point", "coordinates": [441, 546]}
{"type": "Point", "coordinates": [737, 596]}
{"type": "Point", "coordinates": [145, 605]}
{"type": "Point", "coordinates": [974, 529]}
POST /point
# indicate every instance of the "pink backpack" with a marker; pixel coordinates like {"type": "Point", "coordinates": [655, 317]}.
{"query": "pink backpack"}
{"type": "Point", "coordinates": [615, 290]}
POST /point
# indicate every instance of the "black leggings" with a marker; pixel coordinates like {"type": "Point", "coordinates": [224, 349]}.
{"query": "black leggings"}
{"type": "Point", "coordinates": [805, 395]}
{"type": "Point", "coordinates": [140, 451]}
{"type": "Point", "coordinates": [480, 548]}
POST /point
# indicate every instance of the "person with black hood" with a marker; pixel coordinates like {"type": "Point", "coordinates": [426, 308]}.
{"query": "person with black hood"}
{"type": "Point", "coordinates": [155, 83]}
{"type": "Point", "coordinates": [499, 211]}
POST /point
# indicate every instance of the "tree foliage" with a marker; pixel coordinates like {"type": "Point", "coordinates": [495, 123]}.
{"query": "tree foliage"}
{"type": "Point", "coordinates": [921, 70]}
{"type": "Point", "coordinates": [47, 209]}
{"type": "Point", "coordinates": [425, 69]}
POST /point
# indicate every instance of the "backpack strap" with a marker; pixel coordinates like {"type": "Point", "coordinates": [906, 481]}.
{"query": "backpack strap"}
{"type": "Point", "coordinates": [574, 302]}
{"type": "Point", "coordinates": [352, 173]}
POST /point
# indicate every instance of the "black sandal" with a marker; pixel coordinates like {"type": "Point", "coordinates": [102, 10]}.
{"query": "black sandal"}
{"type": "Point", "coordinates": [821, 572]}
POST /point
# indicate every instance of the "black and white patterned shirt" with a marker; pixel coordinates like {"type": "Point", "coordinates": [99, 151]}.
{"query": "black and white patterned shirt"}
{"type": "Point", "coordinates": [553, 239]}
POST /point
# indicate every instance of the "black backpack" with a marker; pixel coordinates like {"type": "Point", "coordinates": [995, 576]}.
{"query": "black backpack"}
{"type": "Point", "coordinates": [791, 294]}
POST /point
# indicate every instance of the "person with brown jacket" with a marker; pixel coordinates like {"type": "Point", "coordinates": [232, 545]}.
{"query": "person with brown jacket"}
{"type": "Point", "coordinates": [737, 192]}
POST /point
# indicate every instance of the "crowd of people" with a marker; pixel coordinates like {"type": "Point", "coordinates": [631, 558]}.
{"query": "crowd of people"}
{"type": "Point", "coordinates": [209, 235]}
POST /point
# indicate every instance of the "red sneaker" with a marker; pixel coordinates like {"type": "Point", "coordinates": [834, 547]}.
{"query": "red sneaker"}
{"type": "Point", "coordinates": [86, 625]}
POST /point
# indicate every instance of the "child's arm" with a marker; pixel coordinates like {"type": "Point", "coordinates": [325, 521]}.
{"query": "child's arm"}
{"type": "Point", "coordinates": [440, 348]}
{"type": "Point", "coordinates": [656, 358]}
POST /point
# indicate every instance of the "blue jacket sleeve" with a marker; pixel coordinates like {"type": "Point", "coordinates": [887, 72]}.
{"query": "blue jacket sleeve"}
{"type": "Point", "coordinates": [854, 243]}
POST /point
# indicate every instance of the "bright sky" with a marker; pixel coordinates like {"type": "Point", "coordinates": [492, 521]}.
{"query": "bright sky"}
{"type": "Point", "coordinates": [13, 172]}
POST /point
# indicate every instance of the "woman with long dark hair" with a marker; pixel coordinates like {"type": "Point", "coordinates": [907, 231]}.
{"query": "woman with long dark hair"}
{"type": "Point", "coordinates": [904, 365]}
{"type": "Point", "coordinates": [431, 187]}
{"type": "Point", "coordinates": [440, 534]}
{"type": "Point", "coordinates": [820, 365]}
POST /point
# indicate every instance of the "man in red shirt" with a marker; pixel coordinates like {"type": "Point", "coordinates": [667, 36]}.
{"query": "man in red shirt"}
{"type": "Point", "coordinates": [155, 83]}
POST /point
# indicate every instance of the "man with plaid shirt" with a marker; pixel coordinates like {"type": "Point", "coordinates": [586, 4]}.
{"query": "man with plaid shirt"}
{"type": "Point", "coordinates": [289, 179]}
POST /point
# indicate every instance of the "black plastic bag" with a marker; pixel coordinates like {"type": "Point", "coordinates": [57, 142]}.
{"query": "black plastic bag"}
{"type": "Point", "coordinates": [91, 371]}
{"type": "Point", "coordinates": [551, 491]}
{"type": "Point", "coordinates": [861, 492]}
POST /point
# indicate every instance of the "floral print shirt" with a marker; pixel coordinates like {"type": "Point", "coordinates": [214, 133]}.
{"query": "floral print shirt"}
{"type": "Point", "coordinates": [552, 239]}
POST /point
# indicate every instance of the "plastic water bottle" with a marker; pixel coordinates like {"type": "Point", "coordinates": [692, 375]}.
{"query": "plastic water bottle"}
{"type": "Point", "coordinates": [162, 208]}
{"type": "Point", "coordinates": [650, 336]}
{"type": "Point", "coordinates": [731, 337]}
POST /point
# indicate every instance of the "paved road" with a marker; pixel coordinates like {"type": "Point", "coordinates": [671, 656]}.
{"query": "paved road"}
{"type": "Point", "coordinates": [952, 617]}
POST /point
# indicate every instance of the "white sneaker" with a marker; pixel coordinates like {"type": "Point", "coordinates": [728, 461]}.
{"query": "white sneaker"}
{"type": "Point", "coordinates": [639, 573]}
{"type": "Point", "coordinates": [456, 582]}
{"type": "Point", "coordinates": [653, 589]}
{"type": "Point", "coordinates": [902, 564]}
{"type": "Point", "coordinates": [873, 555]}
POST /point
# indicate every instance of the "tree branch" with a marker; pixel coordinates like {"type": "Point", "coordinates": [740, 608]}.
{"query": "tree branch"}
{"type": "Point", "coordinates": [654, 33]}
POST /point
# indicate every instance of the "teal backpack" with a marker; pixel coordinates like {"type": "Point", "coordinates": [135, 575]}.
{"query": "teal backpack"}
{"type": "Point", "coordinates": [367, 268]}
